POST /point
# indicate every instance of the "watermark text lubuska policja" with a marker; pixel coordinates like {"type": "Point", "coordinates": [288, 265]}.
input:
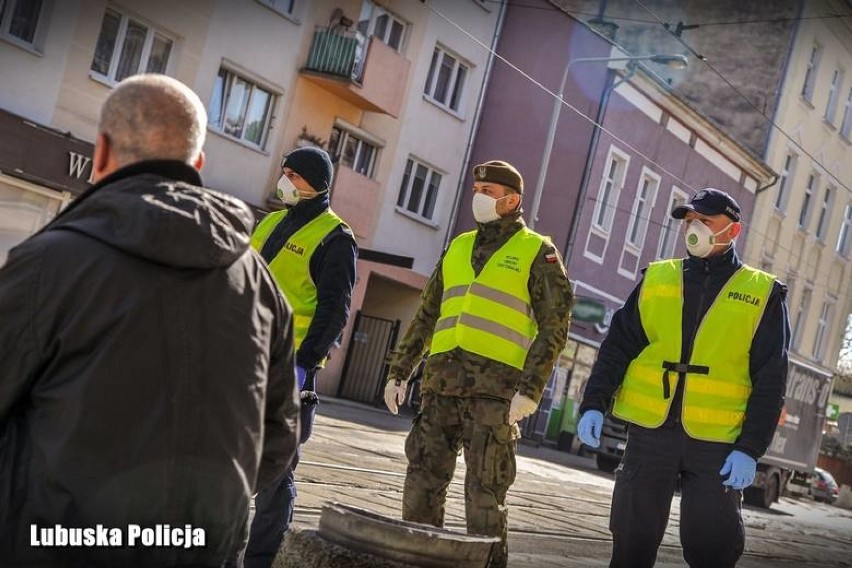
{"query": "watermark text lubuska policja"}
{"type": "Point", "coordinates": [164, 535]}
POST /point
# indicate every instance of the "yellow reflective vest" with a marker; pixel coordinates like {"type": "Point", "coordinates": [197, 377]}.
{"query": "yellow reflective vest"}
{"type": "Point", "coordinates": [489, 314]}
{"type": "Point", "coordinates": [717, 380]}
{"type": "Point", "coordinates": [291, 267]}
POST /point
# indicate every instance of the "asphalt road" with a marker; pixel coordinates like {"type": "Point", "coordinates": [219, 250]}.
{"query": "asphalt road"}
{"type": "Point", "coordinates": [559, 505]}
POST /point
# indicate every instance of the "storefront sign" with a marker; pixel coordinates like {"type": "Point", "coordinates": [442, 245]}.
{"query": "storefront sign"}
{"type": "Point", "coordinates": [587, 309]}
{"type": "Point", "coordinates": [832, 412]}
{"type": "Point", "coordinates": [43, 155]}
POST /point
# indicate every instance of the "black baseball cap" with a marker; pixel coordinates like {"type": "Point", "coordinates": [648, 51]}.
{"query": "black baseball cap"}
{"type": "Point", "coordinates": [709, 201]}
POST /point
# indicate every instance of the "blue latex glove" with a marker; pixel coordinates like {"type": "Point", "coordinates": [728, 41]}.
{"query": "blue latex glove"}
{"type": "Point", "coordinates": [301, 375]}
{"type": "Point", "coordinates": [742, 469]}
{"type": "Point", "coordinates": [589, 428]}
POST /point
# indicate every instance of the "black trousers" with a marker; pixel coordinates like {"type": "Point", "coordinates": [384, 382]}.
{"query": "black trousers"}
{"type": "Point", "coordinates": [711, 526]}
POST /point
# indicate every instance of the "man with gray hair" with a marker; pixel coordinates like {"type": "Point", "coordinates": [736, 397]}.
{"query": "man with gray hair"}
{"type": "Point", "coordinates": [147, 384]}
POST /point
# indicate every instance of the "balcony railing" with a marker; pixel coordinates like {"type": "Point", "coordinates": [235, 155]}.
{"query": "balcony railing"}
{"type": "Point", "coordinates": [336, 53]}
{"type": "Point", "coordinates": [361, 70]}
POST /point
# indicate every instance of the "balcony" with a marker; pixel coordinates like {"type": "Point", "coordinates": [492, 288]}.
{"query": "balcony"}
{"type": "Point", "coordinates": [362, 71]}
{"type": "Point", "coordinates": [356, 198]}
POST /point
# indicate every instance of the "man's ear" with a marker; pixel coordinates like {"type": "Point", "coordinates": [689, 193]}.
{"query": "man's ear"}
{"type": "Point", "coordinates": [199, 161]}
{"type": "Point", "coordinates": [517, 201]}
{"type": "Point", "coordinates": [101, 158]}
{"type": "Point", "coordinates": [736, 229]}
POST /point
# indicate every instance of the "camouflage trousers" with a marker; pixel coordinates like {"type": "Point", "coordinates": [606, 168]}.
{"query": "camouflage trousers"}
{"type": "Point", "coordinates": [444, 427]}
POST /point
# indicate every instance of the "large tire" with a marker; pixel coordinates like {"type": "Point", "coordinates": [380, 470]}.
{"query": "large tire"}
{"type": "Point", "coordinates": [764, 496]}
{"type": "Point", "coordinates": [606, 463]}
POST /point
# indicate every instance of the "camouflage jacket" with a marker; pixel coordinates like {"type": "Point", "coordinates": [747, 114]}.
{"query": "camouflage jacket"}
{"type": "Point", "coordinates": [465, 374]}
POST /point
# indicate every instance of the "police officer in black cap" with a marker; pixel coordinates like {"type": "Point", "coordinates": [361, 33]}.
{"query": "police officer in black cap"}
{"type": "Point", "coordinates": [311, 253]}
{"type": "Point", "coordinates": [696, 362]}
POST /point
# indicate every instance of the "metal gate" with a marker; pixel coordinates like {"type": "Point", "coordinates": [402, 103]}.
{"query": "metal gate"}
{"type": "Point", "coordinates": [365, 370]}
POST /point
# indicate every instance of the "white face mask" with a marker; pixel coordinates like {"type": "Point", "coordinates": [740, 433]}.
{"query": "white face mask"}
{"type": "Point", "coordinates": [700, 240]}
{"type": "Point", "coordinates": [485, 208]}
{"type": "Point", "coordinates": [286, 191]}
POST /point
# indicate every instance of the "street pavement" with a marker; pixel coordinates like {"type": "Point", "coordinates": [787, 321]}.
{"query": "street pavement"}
{"type": "Point", "coordinates": [559, 504]}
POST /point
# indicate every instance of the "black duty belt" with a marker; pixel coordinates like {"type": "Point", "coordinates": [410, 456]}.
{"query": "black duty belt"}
{"type": "Point", "coordinates": [680, 369]}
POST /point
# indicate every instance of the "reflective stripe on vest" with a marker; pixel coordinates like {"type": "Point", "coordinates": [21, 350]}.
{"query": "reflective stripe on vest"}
{"type": "Point", "coordinates": [291, 266]}
{"type": "Point", "coordinates": [718, 382]}
{"type": "Point", "coordinates": [489, 314]}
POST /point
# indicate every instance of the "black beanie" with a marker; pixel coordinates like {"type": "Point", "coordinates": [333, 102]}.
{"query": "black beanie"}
{"type": "Point", "coordinates": [313, 164]}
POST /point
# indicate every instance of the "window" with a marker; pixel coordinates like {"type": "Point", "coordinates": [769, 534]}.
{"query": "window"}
{"type": "Point", "coordinates": [787, 175]}
{"type": "Point", "coordinates": [240, 108]}
{"type": "Point", "coordinates": [833, 95]}
{"type": "Point", "coordinates": [646, 195]}
{"type": "Point", "coordinates": [823, 328]}
{"type": "Point", "coordinates": [126, 47]}
{"type": "Point", "coordinates": [825, 213]}
{"type": "Point", "coordinates": [377, 22]}
{"type": "Point", "coordinates": [810, 75]}
{"type": "Point", "coordinates": [801, 316]}
{"type": "Point", "coordinates": [352, 151]}
{"type": "Point", "coordinates": [671, 226]}
{"type": "Point", "coordinates": [285, 7]}
{"type": "Point", "coordinates": [609, 192]}
{"type": "Point", "coordinates": [807, 201]}
{"type": "Point", "coordinates": [418, 191]}
{"type": "Point", "coordinates": [445, 82]}
{"type": "Point", "coordinates": [843, 239]}
{"type": "Point", "coordinates": [21, 20]}
{"type": "Point", "coordinates": [846, 125]}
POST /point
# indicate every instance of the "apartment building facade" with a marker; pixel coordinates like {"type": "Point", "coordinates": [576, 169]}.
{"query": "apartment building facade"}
{"type": "Point", "coordinates": [802, 227]}
{"type": "Point", "coordinates": [614, 176]}
{"type": "Point", "coordinates": [389, 88]}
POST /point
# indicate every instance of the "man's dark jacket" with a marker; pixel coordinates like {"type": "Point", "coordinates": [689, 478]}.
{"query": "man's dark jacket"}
{"type": "Point", "coordinates": [703, 279]}
{"type": "Point", "coordinates": [146, 371]}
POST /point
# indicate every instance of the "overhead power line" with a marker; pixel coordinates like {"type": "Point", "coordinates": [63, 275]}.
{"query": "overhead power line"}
{"type": "Point", "coordinates": [733, 87]}
{"type": "Point", "coordinates": [682, 183]}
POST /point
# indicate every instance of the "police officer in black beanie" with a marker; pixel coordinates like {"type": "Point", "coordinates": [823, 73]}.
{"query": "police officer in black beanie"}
{"type": "Point", "coordinates": [311, 253]}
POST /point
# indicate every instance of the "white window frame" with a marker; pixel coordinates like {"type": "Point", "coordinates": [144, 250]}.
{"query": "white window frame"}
{"type": "Point", "coordinates": [403, 204]}
{"type": "Point", "coordinates": [363, 139]}
{"type": "Point", "coordinates": [640, 214]}
{"type": "Point", "coordinates": [824, 217]}
{"type": "Point", "coordinates": [833, 95]}
{"type": "Point", "coordinates": [370, 13]}
{"type": "Point", "coordinates": [801, 318]}
{"type": "Point", "coordinates": [843, 236]}
{"type": "Point", "coordinates": [788, 173]}
{"type": "Point", "coordinates": [255, 84]}
{"type": "Point", "coordinates": [604, 212]}
{"type": "Point", "coordinates": [846, 125]}
{"type": "Point", "coordinates": [671, 227]}
{"type": "Point", "coordinates": [823, 331]}
{"type": "Point", "coordinates": [808, 87]}
{"type": "Point", "coordinates": [7, 9]}
{"type": "Point", "coordinates": [438, 56]}
{"type": "Point", "coordinates": [811, 190]}
{"type": "Point", "coordinates": [151, 32]}
{"type": "Point", "coordinates": [286, 8]}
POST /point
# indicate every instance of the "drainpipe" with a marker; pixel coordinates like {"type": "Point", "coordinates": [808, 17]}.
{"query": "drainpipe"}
{"type": "Point", "coordinates": [476, 116]}
{"type": "Point", "coordinates": [778, 94]}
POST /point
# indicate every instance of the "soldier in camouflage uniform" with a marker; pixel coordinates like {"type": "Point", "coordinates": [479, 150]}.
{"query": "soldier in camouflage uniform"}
{"type": "Point", "coordinates": [472, 400]}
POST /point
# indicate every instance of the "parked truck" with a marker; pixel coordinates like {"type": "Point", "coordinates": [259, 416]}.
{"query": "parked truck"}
{"type": "Point", "coordinates": [792, 454]}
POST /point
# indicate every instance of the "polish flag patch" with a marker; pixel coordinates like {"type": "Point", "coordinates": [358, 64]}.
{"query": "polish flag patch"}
{"type": "Point", "coordinates": [551, 257]}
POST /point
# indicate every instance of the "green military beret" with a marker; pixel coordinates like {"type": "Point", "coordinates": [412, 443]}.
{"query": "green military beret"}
{"type": "Point", "coordinates": [498, 171]}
